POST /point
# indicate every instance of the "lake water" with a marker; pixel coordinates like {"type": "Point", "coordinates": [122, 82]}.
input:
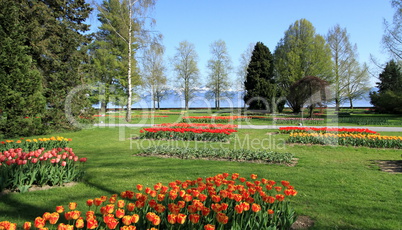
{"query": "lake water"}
{"type": "Point", "coordinates": [234, 99]}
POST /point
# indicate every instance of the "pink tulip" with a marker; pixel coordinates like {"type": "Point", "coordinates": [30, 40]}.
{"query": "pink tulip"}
{"type": "Point", "coordinates": [64, 163]}
{"type": "Point", "coordinates": [34, 160]}
{"type": "Point", "coordinates": [83, 159]}
{"type": "Point", "coordinates": [75, 158]}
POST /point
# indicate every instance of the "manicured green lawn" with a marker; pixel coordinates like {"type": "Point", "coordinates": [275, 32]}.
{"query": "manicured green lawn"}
{"type": "Point", "coordinates": [339, 187]}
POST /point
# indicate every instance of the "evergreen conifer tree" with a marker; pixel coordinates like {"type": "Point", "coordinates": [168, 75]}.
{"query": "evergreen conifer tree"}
{"type": "Point", "coordinates": [260, 82]}
{"type": "Point", "coordinates": [21, 99]}
{"type": "Point", "coordinates": [388, 99]}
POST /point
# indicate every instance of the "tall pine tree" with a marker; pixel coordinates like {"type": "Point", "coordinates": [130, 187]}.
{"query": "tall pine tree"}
{"type": "Point", "coordinates": [388, 99]}
{"type": "Point", "coordinates": [260, 83]}
{"type": "Point", "coordinates": [56, 35]}
{"type": "Point", "coordinates": [21, 99]}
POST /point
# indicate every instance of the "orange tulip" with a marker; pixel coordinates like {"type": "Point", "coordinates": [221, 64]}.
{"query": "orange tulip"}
{"type": "Point", "coordinates": [109, 208]}
{"type": "Point", "coordinates": [172, 218]}
{"type": "Point", "coordinates": [120, 204]}
{"type": "Point", "coordinates": [209, 227]}
{"type": "Point", "coordinates": [280, 197]}
{"type": "Point", "coordinates": [46, 216]}
{"type": "Point", "coordinates": [160, 208]}
{"type": "Point", "coordinates": [285, 183]}
{"type": "Point", "coordinates": [90, 202]}
{"type": "Point", "coordinates": [255, 207]}
{"type": "Point", "coordinates": [92, 223]}
{"type": "Point", "coordinates": [181, 218]}
{"type": "Point", "coordinates": [53, 218]}
{"type": "Point", "coordinates": [222, 218]}
{"type": "Point", "coordinates": [27, 226]}
{"type": "Point", "coordinates": [126, 220]}
{"type": "Point", "coordinates": [156, 220]}
{"type": "Point", "coordinates": [98, 201]}
{"type": "Point", "coordinates": [75, 214]}
{"type": "Point", "coordinates": [90, 214]}
{"type": "Point", "coordinates": [39, 222]}
{"type": "Point", "coordinates": [130, 207]}
{"type": "Point", "coordinates": [120, 213]}
{"type": "Point", "coordinates": [67, 215]}
{"type": "Point", "coordinates": [59, 209]}
{"type": "Point", "coordinates": [157, 186]}
{"type": "Point", "coordinates": [253, 176]}
{"type": "Point", "coordinates": [72, 205]}
{"type": "Point", "coordinates": [246, 206]}
{"type": "Point", "coordinates": [135, 218]}
{"type": "Point", "coordinates": [239, 208]}
{"type": "Point", "coordinates": [194, 218]}
{"type": "Point", "coordinates": [205, 211]}
{"type": "Point", "coordinates": [112, 223]}
{"type": "Point", "coordinates": [216, 198]}
{"type": "Point", "coordinates": [139, 204]}
{"type": "Point", "coordinates": [61, 226]}
{"type": "Point", "coordinates": [79, 223]}
{"type": "Point", "coordinates": [270, 211]}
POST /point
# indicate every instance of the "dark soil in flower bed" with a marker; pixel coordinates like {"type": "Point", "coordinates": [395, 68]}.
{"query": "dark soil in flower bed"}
{"type": "Point", "coordinates": [302, 222]}
{"type": "Point", "coordinates": [394, 167]}
{"type": "Point", "coordinates": [38, 188]}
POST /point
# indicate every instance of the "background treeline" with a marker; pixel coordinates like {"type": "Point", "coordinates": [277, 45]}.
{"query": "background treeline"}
{"type": "Point", "coordinates": [52, 70]}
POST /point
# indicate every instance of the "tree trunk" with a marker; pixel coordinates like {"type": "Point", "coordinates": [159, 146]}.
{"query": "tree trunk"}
{"type": "Point", "coordinates": [311, 110]}
{"type": "Point", "coordinates": [128, 113]}
{"type": "Point", "coordinates": [351, 103]}
{"type": "Point", "coordinates": [337, 104]}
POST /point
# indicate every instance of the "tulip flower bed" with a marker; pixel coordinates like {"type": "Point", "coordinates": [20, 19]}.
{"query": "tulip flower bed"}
{"type": "Point", "coordinates": [373, 141]}
{"type": "Point", "coordinates": [214, 119]}
{"type": "Point", "coordinates": [364, 120]}
{"type": "Point", "coordinates": [287, 130]}
{"type": "Point", "coordinates": [220, 202]}
{"type": "Point", "coordinates": [220, 154]}
{"type": "Point", "coordinates": [197, 125]}
{"type": "Point", "coordinates": [297, 120]}
{"type": "Point", "coordinates": [164, 113]}
{"type": "Point", "coordinates": [20, 170]}
{"type": "Point", "coordinates": [34, 144]}
{"type": "Point", "coordinates": [133, 116]}
{"type": "Point", "coordinates": [187, 134]}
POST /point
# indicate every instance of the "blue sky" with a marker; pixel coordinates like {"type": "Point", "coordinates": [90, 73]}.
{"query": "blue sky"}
{"type": "Point", "coordinates": [240, 23]}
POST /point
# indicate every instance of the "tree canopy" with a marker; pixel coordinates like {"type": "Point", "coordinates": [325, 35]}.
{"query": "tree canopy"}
{"type": "Point", "coordinates": [219, 67]}
{"type": "Point", "coordinates": [187, 72]}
